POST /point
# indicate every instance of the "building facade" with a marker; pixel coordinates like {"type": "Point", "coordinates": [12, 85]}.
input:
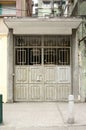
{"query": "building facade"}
{"type": "Point", "coordinates": [49, 8]}
{"type": "Point", "coordinates": [40, 58]}
{"type": "Point", "coordinates": [78, 10]}
{"type": "Point", "coordinates": [8, 8]}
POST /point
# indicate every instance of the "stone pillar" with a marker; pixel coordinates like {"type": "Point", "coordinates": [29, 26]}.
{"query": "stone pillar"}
{"type": "Point", "coordinates": [75, 65]}
{"type": "Point", "coordinates": [10, 66]}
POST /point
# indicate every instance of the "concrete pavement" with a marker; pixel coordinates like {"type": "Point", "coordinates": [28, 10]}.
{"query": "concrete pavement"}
{"type": "Point", "coordinates": [42, 116]}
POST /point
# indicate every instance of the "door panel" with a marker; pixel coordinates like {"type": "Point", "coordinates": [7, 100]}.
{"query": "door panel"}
{"type": "Point", "coordinates": [50, 92]}
{"type": "Point", "coordinates": [38, 83]}
{"type": "Point", "coordinates": [35, 92]}
{"type": "Point", "coordinates": [21, 74]}
{"type": "Point", "coordinates": [50, 74]}
{"type": "Point", "coordinates": [21, 83]}
{"type": "Point", "coordinates": [36, 74]}
{"type": "Point", "coordinates": [21, 92]}
{"type": "Point", "coordinates": [62, 92]}
{"type": "Point", "coordinates": [63, 74]}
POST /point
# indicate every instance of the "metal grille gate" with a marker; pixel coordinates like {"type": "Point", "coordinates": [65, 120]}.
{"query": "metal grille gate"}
{"type": "Point", "coordinates": [42, 68]}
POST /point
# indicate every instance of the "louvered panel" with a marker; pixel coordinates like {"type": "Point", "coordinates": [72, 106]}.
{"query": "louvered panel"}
{"type": "Point", "coordinates": [35, 92]}
{"type": "Point", "coordinates": [50, 75]}
{"type": "Point", "coordinates": [50, 92]}
{"type": "Point", "coordinates": [21, 74]}
{"type": "Point", "coordinates": [63, 74]}
{"type": "Point", "coordinates": [21, 92]}
{"type": "Point", "coordinates": [62, 91]}
{"type": "Point", "coordinates": [36, 74]}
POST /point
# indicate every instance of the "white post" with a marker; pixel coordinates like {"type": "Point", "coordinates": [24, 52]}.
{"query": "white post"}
{"type": "Point", "coordinates": [71, 109]}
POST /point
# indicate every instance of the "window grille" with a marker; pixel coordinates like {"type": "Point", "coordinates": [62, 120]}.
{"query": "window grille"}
{"type": "Point", "coordinates": [49, 56]}
{"type": "Point", "coordinates": [54, 50]}
{"type": "Point", "coordinates": [63, 56]}
{"type": "Point", "coordinates": [34, 56]}
{"type": "Point", "coordinates": [21, 56]}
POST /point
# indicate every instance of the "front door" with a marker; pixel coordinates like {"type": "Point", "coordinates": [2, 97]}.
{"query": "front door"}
{"type": "Point", "coordinates": [42, 68]}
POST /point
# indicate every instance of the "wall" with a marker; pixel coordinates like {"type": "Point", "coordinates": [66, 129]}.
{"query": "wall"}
{"type": "Point", "coordinates": [75, 65]}
{"type": "Point", "coordinates": [82, 8]}
{"type": "Point", "coordinates": [82, 61]}
{"type": "Point", "coordinates": [23, 6]}
{"type": "Point", "coordinates": [3, 60]}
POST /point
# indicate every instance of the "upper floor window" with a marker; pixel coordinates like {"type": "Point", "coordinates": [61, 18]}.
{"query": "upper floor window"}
{"type": "Point", "coordinates": [7, 9]}
{"type": "Point", "coordinates": [46, 3]}
{"type": "Point", "coordinates": [57, 3]}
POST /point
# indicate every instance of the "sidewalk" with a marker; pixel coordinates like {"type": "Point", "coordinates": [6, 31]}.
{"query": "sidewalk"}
{"type": "Point", "coordinates": [42, 116]}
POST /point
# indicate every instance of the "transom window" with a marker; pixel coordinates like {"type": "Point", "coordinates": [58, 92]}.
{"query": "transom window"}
{"type": "Point", "coordinates": [54, 50]}
{"type": "Point", "coordinates": [49, 56]}
{"type": "Point", "coordinates": [34, 56]}
{"type": "Point", "coordinates": [27, 41]}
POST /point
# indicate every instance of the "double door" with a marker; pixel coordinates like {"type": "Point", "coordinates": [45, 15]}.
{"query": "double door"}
{"type": "Point", "coordinates": [42, 68]}
{"type": "Point", "coordinates": [42, 83]}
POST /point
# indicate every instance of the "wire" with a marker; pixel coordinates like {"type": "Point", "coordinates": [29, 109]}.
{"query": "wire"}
{"type": "Point", "coordinates": [10, 8]}
{"type": "Point", "coordinates": [40, 11]}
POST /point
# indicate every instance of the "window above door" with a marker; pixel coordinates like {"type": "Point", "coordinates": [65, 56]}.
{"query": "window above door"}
{"type": "Point", "coordinates": [46, 50]}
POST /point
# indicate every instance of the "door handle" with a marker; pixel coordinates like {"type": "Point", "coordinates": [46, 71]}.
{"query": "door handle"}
{"type": "Point", "coordinates": [39, 78]}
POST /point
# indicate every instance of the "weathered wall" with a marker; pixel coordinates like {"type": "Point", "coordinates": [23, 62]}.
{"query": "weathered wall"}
{"type": "Point", "coordinates": [75, 67]}
{"type": "Point", "coordinates": [82, 8]}
{"type": "Point", "coordinates": [82, 62]}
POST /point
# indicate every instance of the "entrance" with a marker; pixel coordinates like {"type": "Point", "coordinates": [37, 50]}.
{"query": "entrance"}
{"type": "Point", "coordinates": [42, 68]}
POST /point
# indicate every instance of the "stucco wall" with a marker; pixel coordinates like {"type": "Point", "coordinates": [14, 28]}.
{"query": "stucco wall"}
{"type": "Point", "coordinates": [3, 60]}
{"type": "Point", "coordinates": [3, 66]}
